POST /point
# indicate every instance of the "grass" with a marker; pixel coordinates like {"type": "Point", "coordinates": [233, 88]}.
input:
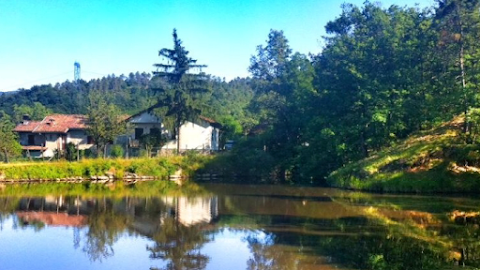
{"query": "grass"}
{"type": "Point", "coordinates": [156, 167]}
{"type": "Point", "coordinates": [87, 189]}
{"type": "Point", "coordinates": [427, 162]}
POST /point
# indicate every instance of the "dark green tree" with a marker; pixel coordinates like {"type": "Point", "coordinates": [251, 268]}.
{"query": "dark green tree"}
{"type": "Point", "coordinates": [105, 121]}
{"type": "Point", "coordinates": [284, 91]}
{"type": "Point", "coordinates": [9, 145]}
{"type": "Point", "coordinates": [36, 112]}
{"type": "Point", "coordinates": [153, 139]}
{"type": "Point", "coordinates": [180, 100]}
{"type": "Point", "coordinates": [458, 23]}
{"type": "Point", "coordinates": [179, 246]}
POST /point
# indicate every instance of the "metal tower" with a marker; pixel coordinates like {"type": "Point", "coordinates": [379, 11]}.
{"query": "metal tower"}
{"type": "Point", "coordinates": [76, 71]}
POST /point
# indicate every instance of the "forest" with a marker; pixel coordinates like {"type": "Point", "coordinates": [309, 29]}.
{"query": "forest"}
{"type": "Point", "coordinates": [383, 74]}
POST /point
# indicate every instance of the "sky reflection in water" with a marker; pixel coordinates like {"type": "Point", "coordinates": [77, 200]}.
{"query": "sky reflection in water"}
{"type": "Point", "coordinates": [238, 227]}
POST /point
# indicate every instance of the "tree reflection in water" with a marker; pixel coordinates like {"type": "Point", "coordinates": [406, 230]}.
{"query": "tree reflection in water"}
{"type": "Point", "coordinates": [104, 228]}
{"type": "Point", "coordinates": [281, 232]}
{"type": "Point", "coordinates": [179, 245]}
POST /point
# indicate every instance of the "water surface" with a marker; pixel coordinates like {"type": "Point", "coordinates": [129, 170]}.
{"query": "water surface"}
{"type": "Point", "coordinates": [239, 227]}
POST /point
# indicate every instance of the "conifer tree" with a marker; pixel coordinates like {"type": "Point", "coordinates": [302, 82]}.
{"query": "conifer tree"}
{"type": "Point", "coordinates": [180, 99]}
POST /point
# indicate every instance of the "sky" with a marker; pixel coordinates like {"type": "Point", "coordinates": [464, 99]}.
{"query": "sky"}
{"type": "Point", "coordinates": [41, 39]}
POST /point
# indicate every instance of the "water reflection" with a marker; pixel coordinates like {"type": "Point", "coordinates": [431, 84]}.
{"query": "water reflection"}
{"type": "Point", "coordinates": [249, 227]}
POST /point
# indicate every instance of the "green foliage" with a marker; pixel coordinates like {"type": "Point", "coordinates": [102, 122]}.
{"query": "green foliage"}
{"type": "Point", "coordinates": [71, 154]}
{"type": "Point", "coordinates": [437, 160]}
{"type": "Point", "coordinates": [116, 151]}
{"type": "Point", "coordinates": [156, 167]}
{"type": "Point", "coordinates": [181, 98]}
{"type": "Point", "coordinates": [105, 121]}
{"type": "Point", "coordinates": [36, 112]}
{"type": "Point", "coordinates": [231, 129]}
{"type": "Point", "coordinates": [153, 139]}
{"type": "Point", "coordinates": [9, 146]}
{"type": "Point", "coordinates": [247, 160]}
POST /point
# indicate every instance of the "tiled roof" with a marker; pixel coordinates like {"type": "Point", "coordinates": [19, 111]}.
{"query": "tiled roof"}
{"type": "Point", "coordinates": [209, 120]}
{"type": "Point", "coordinates": [55, 123]}
{"type": "Point", "coordinates": [212, 122]}
{"type": "Point", "coordinates": [54, 219]}
{"type": "Point", "coordinates": [27, 126]}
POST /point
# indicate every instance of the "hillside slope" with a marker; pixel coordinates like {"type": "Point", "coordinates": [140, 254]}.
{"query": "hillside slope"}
{"type": "Point", "coordinates": [437, 160]}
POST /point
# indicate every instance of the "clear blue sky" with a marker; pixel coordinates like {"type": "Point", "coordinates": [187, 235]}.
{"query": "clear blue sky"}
{"type": "Point", "coordinates": [41, 39]}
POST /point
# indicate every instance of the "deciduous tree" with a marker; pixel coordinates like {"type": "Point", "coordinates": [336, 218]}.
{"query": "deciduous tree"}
{"type": "Point", "coordinates": [105, 121]}
{"type": "Point", "coordinates": [9, 146]}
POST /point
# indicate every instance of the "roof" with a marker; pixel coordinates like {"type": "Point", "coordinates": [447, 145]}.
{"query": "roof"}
{"type": "Point", "coordinates": [27, 126]}
{"type": "Point", "coordinates": [55, 123]}
{"type": "Point", "coordinates": [54, 219]}
{"type": "Point", "coordinates": [212, 122]}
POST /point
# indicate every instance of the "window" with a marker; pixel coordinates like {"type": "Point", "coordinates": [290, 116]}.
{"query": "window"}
{"type": "Point", "coordinates": [31, 139]}
{"type": "Point", "coordinates": [155, 131]}
{"type": "Point", "coordinates": [90, 140]}
{"type": "Point", "coordinates": [138, 133]}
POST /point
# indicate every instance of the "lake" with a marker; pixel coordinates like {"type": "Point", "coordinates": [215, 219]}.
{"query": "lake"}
{"type": "Point", "coordinates": [229, 226]}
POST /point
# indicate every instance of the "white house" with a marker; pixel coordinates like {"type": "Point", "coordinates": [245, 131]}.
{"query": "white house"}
{"type": "Point", "coordinates": [144, 123]}
{"type": "Point", "coordinates": [202, 134]}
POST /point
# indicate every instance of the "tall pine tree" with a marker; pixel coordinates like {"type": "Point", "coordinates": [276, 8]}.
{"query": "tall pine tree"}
{"type": "Point", "coordinates": [180, 99]}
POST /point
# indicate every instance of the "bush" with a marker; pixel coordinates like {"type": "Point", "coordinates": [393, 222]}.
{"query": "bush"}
{"type": "Point", "coordinates": [71, 154]}
{"type": "Point", "coordinates": [116, 151]}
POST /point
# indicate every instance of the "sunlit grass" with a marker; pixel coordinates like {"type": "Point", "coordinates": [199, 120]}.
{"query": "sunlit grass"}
{"type": "Point", "coordinates": [116, 189]}
{"type": "Point", "coordinates": [118, 168]}
{"type": "Point", "coordinates": [425, 162]}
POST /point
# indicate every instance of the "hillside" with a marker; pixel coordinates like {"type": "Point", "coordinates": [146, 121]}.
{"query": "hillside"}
{"type": "Point", "coordinates": [437, 160]}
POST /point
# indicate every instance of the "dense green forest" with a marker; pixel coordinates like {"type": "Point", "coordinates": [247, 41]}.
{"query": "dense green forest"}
{"type": "Point", "coordinates": [383, 73]}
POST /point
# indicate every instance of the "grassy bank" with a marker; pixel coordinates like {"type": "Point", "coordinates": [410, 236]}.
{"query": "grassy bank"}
{"type": "Point", "coordinates": [118, 168]}
{"type": "Point", "coordinates": [117, 189]}
{"type": "Point", "coordinates": [437, 160]}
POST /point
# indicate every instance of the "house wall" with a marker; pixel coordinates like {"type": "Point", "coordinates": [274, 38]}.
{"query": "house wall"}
{"type": "Point", "coordinates": [146, 129]}
{"type": "Point", "coordinates": [53, 141]}
{"type": "Point", "coordinates": [80, 138]}
{"type": "Point", "coordinates": [196, 136]}
{"type": "Point", "coordinates": [38, 139]}
{"type": "Point", "coordinates": [200, 136]}
{"type": "Point", "coordinates": [147, 122]}
{"type": "Point", "coordinates": [193, 211]}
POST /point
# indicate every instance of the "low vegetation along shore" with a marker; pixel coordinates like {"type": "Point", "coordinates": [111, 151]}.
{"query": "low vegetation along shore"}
{"type": "Point", "coordinates": [102, 169]}
{"type": "Point", "coordinates": [438, 160]}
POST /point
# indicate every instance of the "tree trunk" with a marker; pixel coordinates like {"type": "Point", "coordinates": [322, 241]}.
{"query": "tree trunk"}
{"type": "Point", "coordinates": [178, 137]}
{"type": "Point", "coordinates": [464, 88]}
{"type": "Point", "coordinates": [105, 151]}
{"type": "Point", "coordinates": [6, 155]}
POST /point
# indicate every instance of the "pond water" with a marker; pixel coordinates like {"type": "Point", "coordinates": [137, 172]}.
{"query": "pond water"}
{"type": "Point", "coordinates": [240, 227]}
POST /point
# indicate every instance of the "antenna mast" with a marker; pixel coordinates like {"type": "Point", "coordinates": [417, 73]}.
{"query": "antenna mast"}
{"type": "Point", "coordinates": [76, 71]}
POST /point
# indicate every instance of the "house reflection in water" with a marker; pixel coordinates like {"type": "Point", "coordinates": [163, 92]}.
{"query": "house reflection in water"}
{"type": "Point", "coordinates": [193, 211]}
{"type": "Point", "coordinates": [75, 212]}
{"type": "Point", "coordinates": [52, 211]}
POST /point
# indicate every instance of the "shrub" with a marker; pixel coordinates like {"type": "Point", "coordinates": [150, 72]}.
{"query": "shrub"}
{"type": "Point", "coordinates": [71, 154]}
{"type": "Point", "coordinates": [116, 151]}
